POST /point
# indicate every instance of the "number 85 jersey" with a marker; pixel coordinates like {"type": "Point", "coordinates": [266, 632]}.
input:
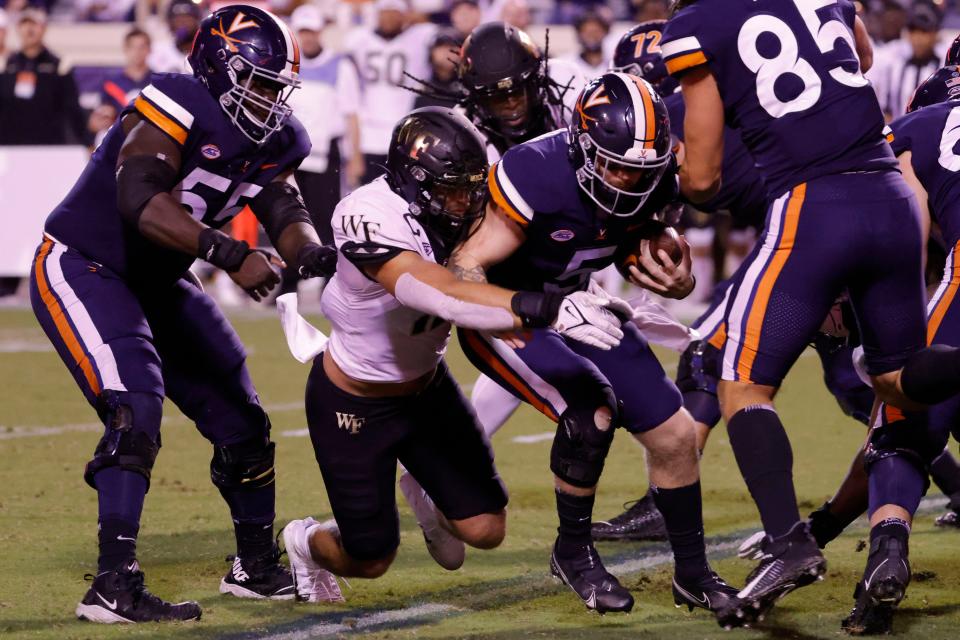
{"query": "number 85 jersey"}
{"type": "Point", "coordinates": [790, 80]}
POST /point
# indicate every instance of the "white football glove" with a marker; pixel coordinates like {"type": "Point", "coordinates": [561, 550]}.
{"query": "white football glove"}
{"type": "Point", "coordinates": [591, 319]}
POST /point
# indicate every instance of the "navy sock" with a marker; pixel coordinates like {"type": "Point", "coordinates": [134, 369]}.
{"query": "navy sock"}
{"type": "Point", "coordinates": [120, 494]}
{"type": "Point", "coordinates": [253, 514]}
{"type": "Point", "coordinates": [682, 510]}
{"type": "Point", "coordinates": [895, 480]}
{"type": "Point", "coordinates": [575, 514]}
{"type": "Point", "coordinates": [765, 458]}
{"type": "Point", "coordinates": [945, 473]}
{"type": "Point", "coordinates": [931, 375]}
{"type": "Point", "coordinates": [893, 527]}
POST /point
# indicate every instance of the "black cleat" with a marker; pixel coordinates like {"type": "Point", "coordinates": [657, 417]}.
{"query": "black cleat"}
{"type": "Point", "coordinates": [786, 563]}
{"type": "Point", "coordinates": [881, 590]}
{"type": "Point", "coordinates": [259, 578]}
{"type": "Point", "coordinates": [120, 596]}
{"type": "Point", "coordinates": [708, 592]}
{"type": "Point", "coordinates": [951, 518]}
{"type": "Point", "coordinates": [639, 521]}
{"type": "Point", "coordinates": [590, 580]}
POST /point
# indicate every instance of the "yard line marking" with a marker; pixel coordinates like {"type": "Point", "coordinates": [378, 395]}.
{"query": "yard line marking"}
{"type": "Point", "coordinates": [296, 433]}
{"type": "Point", "coordinates": [390, 619]}
{"type": "Point", "coordinates": [537, 437]}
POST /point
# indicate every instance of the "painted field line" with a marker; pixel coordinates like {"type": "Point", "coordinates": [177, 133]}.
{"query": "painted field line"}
{"type": "Point", "coordinates": [531, 439]}
{"type": "Point", "coordinates": [390, 619]}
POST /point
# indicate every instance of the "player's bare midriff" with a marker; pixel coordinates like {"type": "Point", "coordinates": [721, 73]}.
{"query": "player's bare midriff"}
{"type": "Point", "coordinates": [367, 389]}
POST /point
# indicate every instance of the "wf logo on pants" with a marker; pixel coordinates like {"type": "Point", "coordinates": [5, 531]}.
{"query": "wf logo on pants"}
{"type": "Point", "coordinates": [350, 422]}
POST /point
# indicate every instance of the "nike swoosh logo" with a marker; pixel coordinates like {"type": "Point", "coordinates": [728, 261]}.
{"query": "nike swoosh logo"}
{"type": "Point", "coordinates": [703, 601]}
{"type": "Point", "coordinates": [127, 539]}
{"type": "Point", "coordinates": [112, 605]}
{"type": "Point", "coordinates": [866, 583]}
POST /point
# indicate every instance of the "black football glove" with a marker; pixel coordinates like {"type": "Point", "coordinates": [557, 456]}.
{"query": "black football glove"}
{"type": "Point", "coordinates": [317, 261]}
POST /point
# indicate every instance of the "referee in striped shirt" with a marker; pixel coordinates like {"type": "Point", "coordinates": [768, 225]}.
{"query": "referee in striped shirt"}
{"type": "Point", "coordinates": [901, 65]}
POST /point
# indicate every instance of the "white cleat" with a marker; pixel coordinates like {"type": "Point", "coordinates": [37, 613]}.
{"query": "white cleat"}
{"type": "Point", "coordinates": [445, 548]}
{"type": "Point", "coordinates": [313, 583]}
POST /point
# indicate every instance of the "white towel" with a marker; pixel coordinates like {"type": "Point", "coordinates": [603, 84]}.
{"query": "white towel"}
{"type": "Point", "coordinates": [304, 340]}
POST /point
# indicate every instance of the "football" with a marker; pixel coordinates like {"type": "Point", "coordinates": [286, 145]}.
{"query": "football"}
{"type": "Point", "coordinates": [649, 240]}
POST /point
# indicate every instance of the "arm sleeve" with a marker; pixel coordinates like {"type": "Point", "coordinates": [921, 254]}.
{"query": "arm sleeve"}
{"type": "Point", "coordinates": [469, 315]}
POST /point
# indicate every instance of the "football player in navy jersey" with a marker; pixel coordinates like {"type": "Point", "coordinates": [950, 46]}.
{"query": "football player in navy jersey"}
{"type": "Point", "coordinates": [110, 285]}
{"type": "Point", "coordinates": [549, 230]}
{"type": "Point", "coordinates": [786, 73]}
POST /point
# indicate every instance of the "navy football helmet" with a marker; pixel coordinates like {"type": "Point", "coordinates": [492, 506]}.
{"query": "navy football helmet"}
{"type": "Point", "coordinates": [638, 52]}
{"type": "Point", "coordinates": [942, 85]}
{"type": "Point", "coordinates": [437, 162]}
{"type": "Point", "coordinates": [620, 142]}
{"type": "Point", "coordinates": [250, 62]}
{"type": "Point", "coordinates": [953, 54]}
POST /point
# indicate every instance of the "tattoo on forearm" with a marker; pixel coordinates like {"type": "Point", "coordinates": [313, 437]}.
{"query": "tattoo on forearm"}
{"type": "Point", "coordinates": [470, 274]}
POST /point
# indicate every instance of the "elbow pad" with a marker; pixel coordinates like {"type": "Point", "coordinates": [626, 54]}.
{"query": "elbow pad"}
{"type": "Point", "coordinates": [277, 206]}
{"type": "Point", "coordinates": [412, 293]}
{"type": "Point", "coordinates": [140, 178]}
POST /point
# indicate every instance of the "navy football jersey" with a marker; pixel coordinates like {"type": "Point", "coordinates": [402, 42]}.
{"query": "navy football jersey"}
{"type": "Point", "coordinates": [790, 81]}
{"type": "Point", "coordinates": [221, 171]}
{"type": "Point", "coordinates": [932, 135]}
{"type": "Point", "coordinates": [567, 239]}
{"type": "Point", "coordinates": [743, 191]}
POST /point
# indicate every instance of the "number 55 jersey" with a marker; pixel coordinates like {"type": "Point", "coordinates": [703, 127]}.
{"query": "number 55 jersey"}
{"type": "Point", "coordinates": [221, 170]}
{"type": "Point", "coordinates": [790, 80]}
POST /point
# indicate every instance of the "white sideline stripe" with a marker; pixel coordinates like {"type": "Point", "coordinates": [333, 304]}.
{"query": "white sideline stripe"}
{"type": "Point", "coordinates": [537, 437]}
{"type": "Point", "coordinates": [296, 433]}
{"type": "Point", "coordinates": [382, 617]}
{"type": "Point", "coordinates": [12, 433]}
{"type": "Point", "coordinates": [657, 559]}
{"type": "Point", "coordinates": [24, 346]}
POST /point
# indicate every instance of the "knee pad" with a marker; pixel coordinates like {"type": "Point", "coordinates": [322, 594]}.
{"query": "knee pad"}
{"type": "Point", "coordinates": [910, 439]}
{"type": "Point", "coordinates": [699, 368]}
{"type": "Point", "coordinates": [132, 438]}
{"type": "Point", "coordinates": [245, 465]}
{"type": "Point", "coordinates": [580, 447]}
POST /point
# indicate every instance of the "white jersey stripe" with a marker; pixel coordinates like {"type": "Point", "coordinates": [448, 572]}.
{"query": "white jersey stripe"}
{"type": "Point", "coordinates": [511, 194]}
{"type": "Point", "coordinates": [510, 358]}
{"type": "Point", "coordinates": [739, 310]}
{"type": "Point", "coordinates": [679, 46]}
{"type": "Point", "coordinates": [172, 108]}
{"type": "Point", "coordinates": [944, 282]}
{"type": "Point", "coordinates": [73, 308]}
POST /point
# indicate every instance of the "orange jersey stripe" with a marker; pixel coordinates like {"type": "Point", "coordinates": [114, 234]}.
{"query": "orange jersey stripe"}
{"type": "Point", "coordinates": [501, 201]}
{"type": "Point", "coordinates": [686, 61]}
{"type": "Point", "coordinates": [892, 414]}
{"type": "Point", "coordinates": [483, 350]}
{"type": "Point", "coordinates": [939, 311]}
{"type": "Point", "coordinates": [719, 337]}
{"type": "Point", "coordinates": [165, 124]}
{"type": "Point", "coordinates": [60, 320]}
{"type": "Point", "coordinates": [751, 338]}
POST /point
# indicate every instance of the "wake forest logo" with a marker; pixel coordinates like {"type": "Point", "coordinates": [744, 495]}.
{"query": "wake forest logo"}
{"type": "Point", "coordinates": [350, 423]}
{"type": "Point", "coordinates": [355, 225]}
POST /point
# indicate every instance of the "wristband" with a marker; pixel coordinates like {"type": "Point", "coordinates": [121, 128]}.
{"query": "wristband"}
{"type": "Point", "coordinates": [221, 250]}
{"type": "Point", "coordinates": [536, 310]}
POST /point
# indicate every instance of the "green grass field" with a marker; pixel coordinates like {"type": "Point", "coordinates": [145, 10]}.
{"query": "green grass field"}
{"type": "Point", "coordinates": [48, 524]}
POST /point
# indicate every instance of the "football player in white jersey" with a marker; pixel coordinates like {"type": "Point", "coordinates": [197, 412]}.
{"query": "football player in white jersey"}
{"type": "Point", "coordinates": [383, 55]}
{"type": "Point", "coordinates": [381, 391]}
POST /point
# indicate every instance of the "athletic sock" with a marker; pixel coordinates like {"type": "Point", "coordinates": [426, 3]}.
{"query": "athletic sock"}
{"type": "Point", "coordinates": [945, 473]}
{"type": "Point", "coordinates": [682, 510]}
{"type": "Point", "coordinates": [894, 527]}
{"type": "Point", "coordinates": [575, 514]}
{"type": "Point", "coordinates": [253, 515]}
{"type": "Point", "coordinates": [895, 480]}
{"type": "Point", "coordinates": [931, 375]}
{"type": "Point", "coordinates": [120, 495]}
{"type": "Point", "coordinates": [765, 458]}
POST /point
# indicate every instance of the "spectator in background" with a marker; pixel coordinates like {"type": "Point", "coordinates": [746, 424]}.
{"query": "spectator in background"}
{"type": "Point", "coordinates": [443, 82]}
{"type": "Point", "coordinates": [104, 10]}
{"type": "Point", "coordinates": [465, 16]}
{"type": "Point", "coordinates": [651, 10]}
{"type": "Point", "coordinates": [887, 22]}
{"type": "Point", "coordinates": [123, 86]}
{"type": "Point", "coordinates": [38, 95]}
{"type": "Point", "coordinates": [3, 38]}
{"type": "Point", "coordinates": [327, 104]}
{"type": "Point", "coordinates": [183, 20]}
{"type": "Point", "coordinates": [900, 67]}
{"type": "Point", "coordinates": [384, 55]}
{"type": "Point", "coordinates": [592, 28]}
{"type": "Point", "coordinates": [516, 13]}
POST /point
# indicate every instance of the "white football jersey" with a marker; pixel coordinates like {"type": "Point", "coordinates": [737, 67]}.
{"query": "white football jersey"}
{"type": "Point", "coordinates": [382, 64]}
{"type": "Point", "coordinates": [374, 338]}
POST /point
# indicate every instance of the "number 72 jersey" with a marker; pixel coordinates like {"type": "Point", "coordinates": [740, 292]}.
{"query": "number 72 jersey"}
{"type": "Point", "coordinates": [790, 80]}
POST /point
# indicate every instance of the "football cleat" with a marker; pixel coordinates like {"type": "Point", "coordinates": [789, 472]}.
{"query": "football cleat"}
{"type": "Point", "coordinates": [883, 586]}
{"type": "Point", "coordinates": [639, 521]}
{"type": "Point", "coordinates": [708, 592]}
{"type": "Point", "coordinates": [446, 549]}
{"type": "Point", "coordinates": [585, 574]}
{"type": "Point", "coordinates": [786, 563]}
{"type": "Point", "coordinates": [951, 518]}
{"type": "Point", "coordinates": [312, 582]}
{"type": "Point", "coordinates": [121, 596]}
{"type": "Point", "coordinates": [259, 578]}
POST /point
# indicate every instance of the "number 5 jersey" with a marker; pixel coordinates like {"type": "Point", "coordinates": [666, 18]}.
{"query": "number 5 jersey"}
{"type": "Point", "coordinates": [221, 170]}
